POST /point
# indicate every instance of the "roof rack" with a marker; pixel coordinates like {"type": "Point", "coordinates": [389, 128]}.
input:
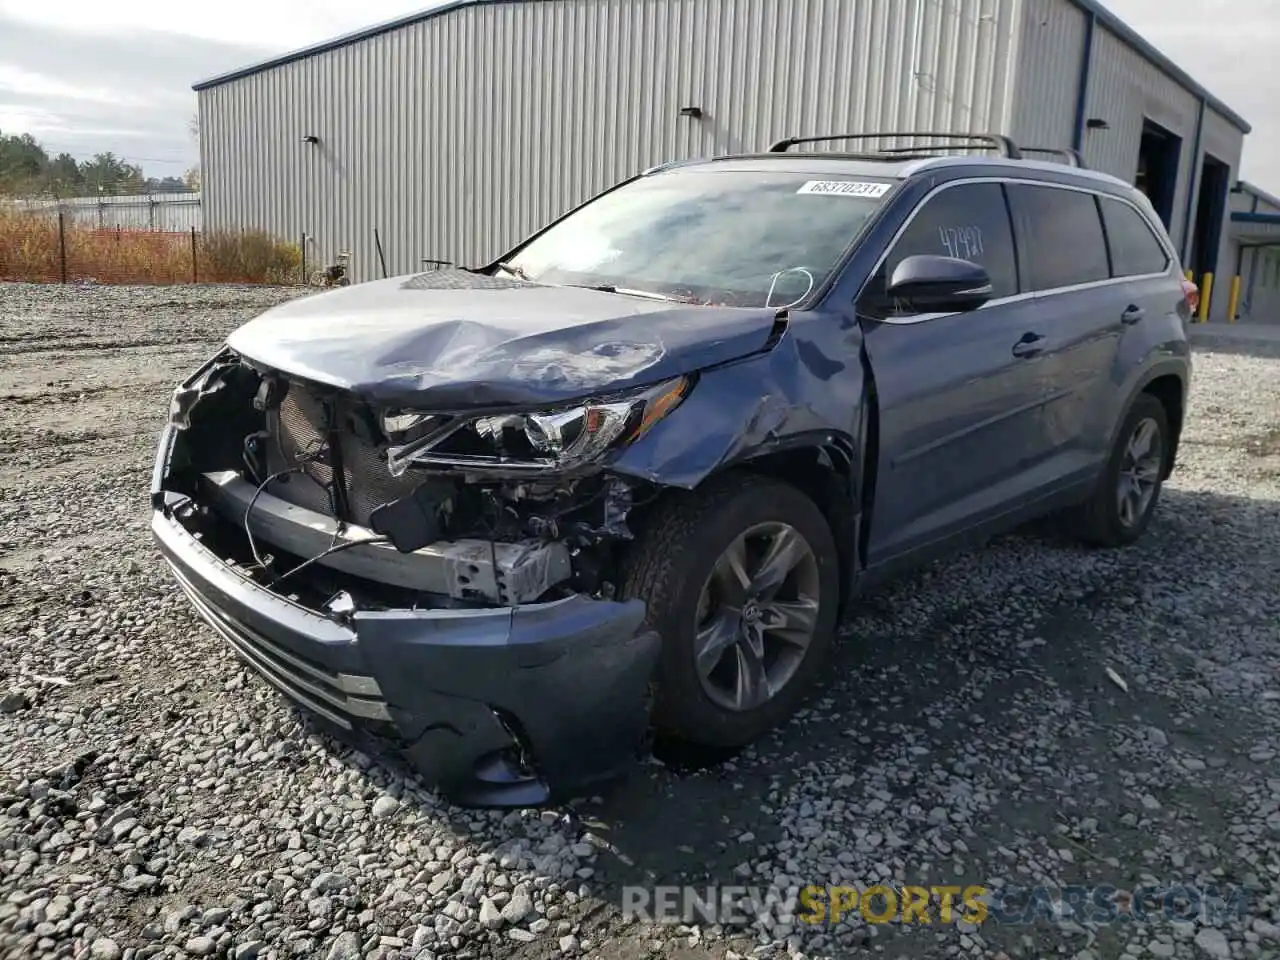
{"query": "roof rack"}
{"type": "Point", "coordinates": [1003, 144]}
{"type": "Point", "coordinates": [1072, 157]}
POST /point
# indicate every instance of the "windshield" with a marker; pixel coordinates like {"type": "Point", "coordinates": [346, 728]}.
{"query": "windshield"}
{"type": "Point", "coordinates": [735, 238]}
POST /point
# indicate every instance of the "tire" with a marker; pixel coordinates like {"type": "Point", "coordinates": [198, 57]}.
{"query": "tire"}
{"type": "Point", "coordinates": [670, 567]}
{"type": "Point", "coordinates": [1100, 521]}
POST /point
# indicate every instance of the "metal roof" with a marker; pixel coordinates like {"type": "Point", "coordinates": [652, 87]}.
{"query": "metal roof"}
{"type": "Point", "coordinates": [346, 39]}
{"type": "Point", "coordinates": [1134, 39]}
{"type": "Point", "coordinates": [1092, 7]}
{"type": "Point", "coordinates": [1256, 218]}
{"type": "Point", "coordinates": [1245, 187]}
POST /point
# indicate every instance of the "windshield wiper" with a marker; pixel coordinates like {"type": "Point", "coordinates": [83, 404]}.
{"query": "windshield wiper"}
{"type": "Point", "coordinates": [627, 291]}
{"type": "Point", "coordinates": [515, 271]}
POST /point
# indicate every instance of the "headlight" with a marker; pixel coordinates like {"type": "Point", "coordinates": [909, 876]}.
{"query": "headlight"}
{"type": "Point", "coordinates": [561, 439]}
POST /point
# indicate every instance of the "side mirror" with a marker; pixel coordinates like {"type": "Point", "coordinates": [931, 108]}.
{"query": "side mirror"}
{"type": "Point", "coordinates": [932, 284]}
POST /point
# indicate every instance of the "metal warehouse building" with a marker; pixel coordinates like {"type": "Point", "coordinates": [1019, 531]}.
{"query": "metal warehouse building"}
{"type": "Point", "coordinates": [1255, 242]}
{"type": "Point", "coordinates": [455, 132]}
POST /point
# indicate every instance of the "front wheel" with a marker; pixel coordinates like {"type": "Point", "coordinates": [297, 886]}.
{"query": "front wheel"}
{"type": "Point", "coordinates": [1121, 507]}
{"type": "Point", "coordinates": [742, 583]}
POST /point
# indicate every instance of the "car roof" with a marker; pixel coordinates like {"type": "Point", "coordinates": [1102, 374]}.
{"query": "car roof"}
{"type": "Point", "coordinates": [895, 168]}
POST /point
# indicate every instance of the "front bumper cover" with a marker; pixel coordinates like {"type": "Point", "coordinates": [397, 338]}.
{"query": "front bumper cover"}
{"type": "Point", "coordinates": [506, 707]}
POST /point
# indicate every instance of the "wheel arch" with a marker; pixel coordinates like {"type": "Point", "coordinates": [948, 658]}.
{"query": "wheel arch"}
{"type": "Point", "coordinates": [1171, 391]}
{"type": "Point", "coordinates": [1168, 383]}
{"type": "Point", "coordinates": [827, 471]}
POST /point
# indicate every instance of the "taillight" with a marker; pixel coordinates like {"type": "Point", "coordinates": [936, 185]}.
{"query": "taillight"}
{"type": "Point", "coordinates": [1191, 293]}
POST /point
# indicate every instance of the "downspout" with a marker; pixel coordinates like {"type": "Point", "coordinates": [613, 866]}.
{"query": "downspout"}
{"type": "Point", "coordinates": [1253, 277]}
{"type": "Point", "coordinates": [1192, 183]}
{"type": "Point", "coordinates": [1253, 261]}
{"type": "Point", "coordinates": [1082, 87]}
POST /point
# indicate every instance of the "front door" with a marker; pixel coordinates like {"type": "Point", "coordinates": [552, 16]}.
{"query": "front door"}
{"type": "Point", "coordinates": [958, 395]}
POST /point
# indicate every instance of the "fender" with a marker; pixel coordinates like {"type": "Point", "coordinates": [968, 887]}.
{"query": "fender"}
{"type": "Point", "coordinates": [1169, 365]}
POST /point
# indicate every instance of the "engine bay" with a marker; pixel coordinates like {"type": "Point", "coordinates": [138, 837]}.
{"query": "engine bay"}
{"type": "Point", "coordinates": [309, 492]}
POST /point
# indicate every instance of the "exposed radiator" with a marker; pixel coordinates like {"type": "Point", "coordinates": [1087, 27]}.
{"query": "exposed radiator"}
{"type": "Point", "coordinates": [297, 431]}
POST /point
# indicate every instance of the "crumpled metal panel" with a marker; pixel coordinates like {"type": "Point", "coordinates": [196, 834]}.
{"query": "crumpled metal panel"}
{"type": "Point", "coordinates": [470, 343]}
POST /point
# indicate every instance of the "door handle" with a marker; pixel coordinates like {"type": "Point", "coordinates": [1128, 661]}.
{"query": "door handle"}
{"type": "Point", "coordinates": [1029, 345]}
{"type": "Point", "coordinates": [1132, 315]}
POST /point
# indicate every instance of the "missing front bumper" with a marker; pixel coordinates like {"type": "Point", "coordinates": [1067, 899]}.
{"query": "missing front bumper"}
{"type": "Point", "coordinates": [501, 573]}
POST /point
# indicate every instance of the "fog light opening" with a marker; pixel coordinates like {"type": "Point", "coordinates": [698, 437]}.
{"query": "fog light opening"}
{"type": "Point", "coordinates": [509, 764]}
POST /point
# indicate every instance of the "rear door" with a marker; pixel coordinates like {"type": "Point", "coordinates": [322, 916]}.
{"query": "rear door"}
{"type": "Point", "coordinates": [958, 395]}
{"type": "Point", "coordinates": [1149, 291]}
{"type": "Point", "coordinates": [1083, 305]}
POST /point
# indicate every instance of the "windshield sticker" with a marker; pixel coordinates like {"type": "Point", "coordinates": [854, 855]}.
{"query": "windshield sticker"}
{"type": "Point", "coordinates": [846, 188]}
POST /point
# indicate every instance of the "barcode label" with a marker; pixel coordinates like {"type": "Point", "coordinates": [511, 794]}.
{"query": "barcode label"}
{"type": "Point", "coordinates": [846, 188]}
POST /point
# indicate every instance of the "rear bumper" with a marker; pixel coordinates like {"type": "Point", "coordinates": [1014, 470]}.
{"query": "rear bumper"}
{"type": "Point", "coordinates": [497, 707]}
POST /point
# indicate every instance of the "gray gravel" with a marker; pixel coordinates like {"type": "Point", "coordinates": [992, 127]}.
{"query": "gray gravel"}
{"type": "Point", "coordinates": [157, 799]}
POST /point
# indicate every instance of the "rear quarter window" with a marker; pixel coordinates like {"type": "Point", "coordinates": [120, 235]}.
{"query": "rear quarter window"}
{"type": "Point", "coordinates": [1135, 250]}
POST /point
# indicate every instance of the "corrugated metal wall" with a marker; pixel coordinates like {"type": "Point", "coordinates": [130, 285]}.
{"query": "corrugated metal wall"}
{"type": "Point", "coordinates": [1224, 142]}
{"type": "Point", "coordinates": [458, 135]}
{"type": "Point", "coordinates": [1259, 266]}
{"type": "Point", "coordinates": [1048, 79]}
{"type": "Point", "coordinates": [1124, 89]}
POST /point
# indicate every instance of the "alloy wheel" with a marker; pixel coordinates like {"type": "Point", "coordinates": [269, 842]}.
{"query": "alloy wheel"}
{"type": "Point", "coordinates": [757, 615]}
{"type": "Point", "coordinates": [1139, 472]}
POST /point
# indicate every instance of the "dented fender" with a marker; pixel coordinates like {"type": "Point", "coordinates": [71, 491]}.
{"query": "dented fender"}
{"type": "Point", "coordinates": [808, 391]}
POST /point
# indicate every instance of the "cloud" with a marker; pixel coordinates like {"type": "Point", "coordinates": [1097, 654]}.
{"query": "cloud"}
{"type": "Point", "coordinates": [275, 24]}
{"type": "Point", "coordinates": [1216, 41]}
{"type": "Point", "coordinates": [87, 78]}
{"type": "Point", "coordinates": [17, 84]}
{"type": "Point", "coordinates": [129, 92]}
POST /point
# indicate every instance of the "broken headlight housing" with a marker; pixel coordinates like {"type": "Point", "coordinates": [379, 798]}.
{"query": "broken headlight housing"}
{"type": "Point", "coordinates": [561, 439]}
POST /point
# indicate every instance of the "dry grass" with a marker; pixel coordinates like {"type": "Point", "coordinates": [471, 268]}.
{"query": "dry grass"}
{"type": "Point", "coordinates": [30, 251]}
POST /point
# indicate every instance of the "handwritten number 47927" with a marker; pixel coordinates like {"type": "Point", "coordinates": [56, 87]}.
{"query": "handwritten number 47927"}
{"type": "Point", "coordinates": [964, 243]}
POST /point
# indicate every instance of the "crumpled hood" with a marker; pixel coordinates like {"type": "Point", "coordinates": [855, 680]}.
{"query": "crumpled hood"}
{"type": "Point", "coordinates": [450, 339]}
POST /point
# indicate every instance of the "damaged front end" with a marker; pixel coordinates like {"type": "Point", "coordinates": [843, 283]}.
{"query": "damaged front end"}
{"type": "Point", "coordinates": [446, 581]}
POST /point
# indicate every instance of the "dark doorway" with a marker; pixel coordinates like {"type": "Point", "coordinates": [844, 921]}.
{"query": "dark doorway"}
{"type": "Point", "coordinates": [1215, 181]}
{"type": "Point", "coordinates": [1158, 168]}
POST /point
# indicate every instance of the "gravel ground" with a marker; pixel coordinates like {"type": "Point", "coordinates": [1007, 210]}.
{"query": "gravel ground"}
{"type": "Point", "coordinates": [157, 799]}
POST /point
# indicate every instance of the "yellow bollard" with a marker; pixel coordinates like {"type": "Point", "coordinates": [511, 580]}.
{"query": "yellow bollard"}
{"type": "Point", "coordinates": [1206, 294]}
{"type": "Point", "coordinates": [1233, 302]}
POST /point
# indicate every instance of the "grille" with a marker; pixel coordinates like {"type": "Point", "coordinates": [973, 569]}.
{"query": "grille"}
{"type": "Point", "coordinates": [297, 429]}
{"type": "Point", "coordinates": [342, 698]}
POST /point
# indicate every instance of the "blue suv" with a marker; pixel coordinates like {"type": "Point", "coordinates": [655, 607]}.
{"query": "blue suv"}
{"type": "Point", "coordinates": [510, 519]}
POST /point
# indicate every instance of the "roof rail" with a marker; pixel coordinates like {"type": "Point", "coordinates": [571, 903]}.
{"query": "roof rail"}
{"type": "Point", "coordinates": [1072, 157]}
{"type": "Point", "coordinates": [1003, 144]}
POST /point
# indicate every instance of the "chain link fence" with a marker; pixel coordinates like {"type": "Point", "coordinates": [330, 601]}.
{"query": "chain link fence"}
{"type": "Point", "coordinates": [66, 243]}
{"type": "Point", "coordinates": [156, 237]}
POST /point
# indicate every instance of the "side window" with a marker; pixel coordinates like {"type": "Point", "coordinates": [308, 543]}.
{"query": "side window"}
{"type": "Point", "coordinates": [971, 222]}
{"type": "Point", "coordinates": [1135, 251]}
{"type": "Point", "coordinates": [1061, 234]}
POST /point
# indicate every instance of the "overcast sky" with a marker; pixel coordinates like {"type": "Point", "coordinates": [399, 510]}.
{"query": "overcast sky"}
{"type": "Point", "coordinates": [85, 77]}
